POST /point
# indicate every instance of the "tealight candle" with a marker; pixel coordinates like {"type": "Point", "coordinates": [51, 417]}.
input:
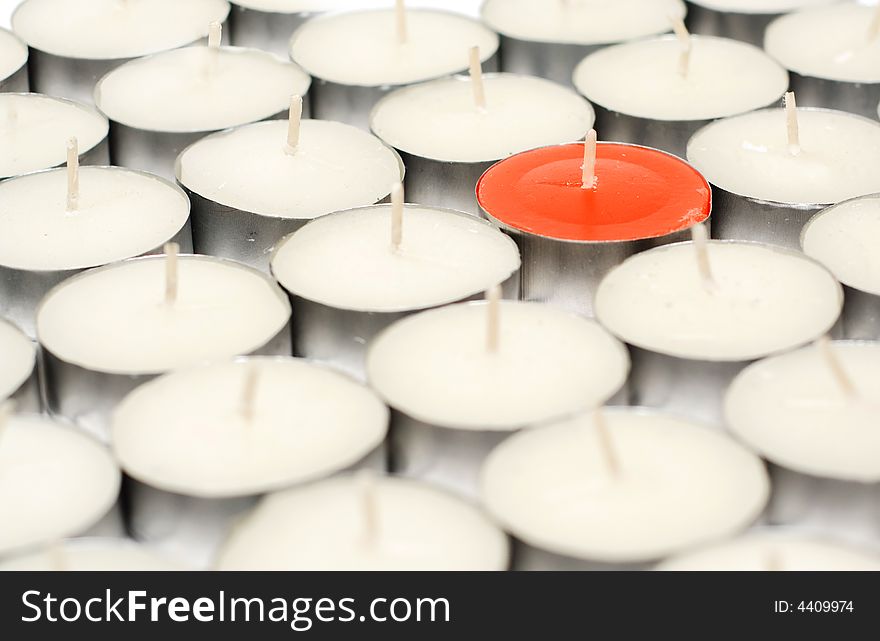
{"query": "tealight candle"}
{"type": "Point", "coordinates": [387, 261]}
{"type": "Point", "coordinates": [268, 24]}
{"type": "Point", "coordinates": [271, 423]}
{"type": "Point", "coordinates": [772, 170]}
{"type": "Point", "coordinates": [161, 104]}
{"type": "Point", "coordinates": [357, 57]}
{"type": "Point", "coordinates": [620, 488]}
{"type": "Point", "coordinates": [833, 55]}
{"type": "Point", "coordinates": [846, 239]}
{"type": "Point", "coordinates": [60, 221]}
{"type": "Point", "coordinates": [253, 185]}
{"type": "Point", "coordinates": [659, 92]}
{"type": "Point", "coordinates": [365, 523]}
{"type": "Point", "coordinates": [578, 210]}
{"type": "Point", "coordinates": [462, 378]}
{"type": "Point", "coordinates": [35, 128]}
{"type": "Point", "coordinates": [91, 555]}
{"type": "Point", "coordinates": [745, 20]}
{"type": "Point", "coordinates": [549, 39]}
{"type": "Point", "coordinates": [75, 42]}
{"type": "Point", "coordinates": [771, 550]}
{"type": "Point", "coordinates": [109, 329]}
{"type": "Point", "coordinates": [56, 482]}
{"type": "Point", "coordinates": [814, 413]}
{"type": "Point", "coordinates": [13, 63]}
{"type": "Point", "coordinates": [18, 369]}
{"type": "Point", "coordinates": [450, 131]}
{"type": "Point", "coordinates": [695, 314]}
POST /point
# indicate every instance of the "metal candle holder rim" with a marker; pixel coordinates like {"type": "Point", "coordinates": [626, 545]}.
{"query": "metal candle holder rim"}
{"type": "Point", "coordinates": [112, 60]}
{"type": "Point", "coordinates": [793, 253]}
{"type": "Point", "coordinates": [273, 286]}
{"type": "Point", "coordinates": [458, 77]}
{"type": "Point", "coordinates": [329, 15]}
{"type": "Point", "coordinates": [619, 345]}
{"type": "Point", "coordinates": [345, 212]}
{"type": "Point", "coordinates": [140, 172]}
{"type": "Point", "coordinates": [776, 203]}
{"type": "Point", "coordinates": [262, 123]}
{"type": "Point", "coordinates": [243, 6]}
{"type": "Point", "coordinates": [27, 53]}
{"type": "Point", "coordinates": [755, 11]}
{"type": "Point", "coordinates": [96, 92]}
{"type": "Point", "coordinates": [590, 243]}
{"type": "Point", "coordinates": [17, 330]}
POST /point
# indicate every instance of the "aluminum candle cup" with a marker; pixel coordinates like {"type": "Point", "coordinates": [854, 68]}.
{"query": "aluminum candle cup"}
{"type": "Point", "coordinates": [364, 522]}
{"type": "Point", "coordinates": [845, 239]}
{"type": "Point", "coordinates": [272, 423]}
{"type": "Point", "coordinates": [249, 189]}
{"type": "Point", "coordinates": [86, 324]}
{"type": "Point", "coordinates": [813, 414]}
{"type": "Point", "coordinates": [619, 489]}
{"type": "Point", "coordinates": [549, 39]}
{"type": "Point", "coordinates": [443, 257]}
{"type": "Point", "coordinates": [569, 237]}
{"type": "Point", "coordinates": [435, 45]}
{"type": "Point", "coordinates": [120, 213]}
{"type": "Point", "coordinates": [447, 140]}
{"type": "Point", "coordinates": [13, 63]}
{"type": "Point", "coordinates": [462, 378]}
{"type": "Point", "coordinates": [268, 24]}
{"type": "Point", "coordinates": [18, 369]}
{"type": "Point", "coordinates": [56, 483]}
{"type": "Point", "coordinates": [766, 190]}
{"type": "Point", "coordinates": [91, 555]}
{"type": "Point", "coordinates": [73, 43]}
{"type": "Point", "coordinates": [161, 104]}
{"type": "Point", "coordinates": [37, 129]}
{"type": "Point", "coordinates": [694, 320]}
{"type": "Point", "coordinates": [649, 92]}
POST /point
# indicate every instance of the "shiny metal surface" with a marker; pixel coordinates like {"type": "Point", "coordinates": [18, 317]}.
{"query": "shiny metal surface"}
{"type": "Point", "coordinates": [552, 60]}
{"type": "Point", "coordinates": [667, 135]}
{"type": "Point", "coordinates": [861, 315]}
{"type": "Point", "coordinates": [853, 97]}
{"type": "Point", "coordinates": [437, 183]}
{"type": "Point", "coordinates": [16, 82]}
{"type": "Point", "coordinates": [748, 27]}
{"type": "Point", "coordinates": [531, 559]}
{"type": "Point", "coordinates": [265, 30]}
{"type": "Point", "coordinates": [73, 78]}
{"type": "Point", "coordinates": [736, 217]}
{"type": "Point", "coordinates": [27, 397]}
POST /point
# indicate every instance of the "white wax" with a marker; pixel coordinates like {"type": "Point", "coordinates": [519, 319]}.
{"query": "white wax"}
{"type": "Point", "coordinates": [765, 300]}
{"type": "Point", "coordinates": [121, 213]}
{"type": "Point", "coordinates": [785, 551]}
{"type": "Point", "coordinates": [13, 54]}
{"type": "Point", "coordinates": [758, 6]}
{"type": "Point", "coordinates": [827, 42]}
{"type": "Point", "coordinates": [308, 421]}
{"type": "Point", "coordinates": [584, 22]}
{"type": "Point", "coordinates": [679, 484]}
{"type": "Point", "coordinates": [549, 364]}
{"type": "Point", "coordinates": [91, 555]}
{"type": "Point", "coordinates": [643, 79]}
{"type": "Point", "coordinates": [750, 155]}
{"type": "Point", "coordinates": [792, 410]}
{"type": "Point", "coordinates": [115, 319]}
{"type": "Point", "coordinates": [335, 166]}
{"type": "Point", "coordinates": [110, 29]}
{"type": "Point", "coordinates": [199, 89]}
{"type": "Point", "coordinates": [34, 130]}
{"type": "Point", "coordinates": [55, 482]}
{"type": "Point", "coordinates": [18, 356]}
{"type": "Point", "coordinates": [444, 257]}
{"type": "Point", "coordinates": [362, 48]}
{"type": "Point", "coordinates": [846, 239]}
{"type": "Point", "coordinates": [439, 119]}
{"type": "Point", "coordinates": [323, 527]}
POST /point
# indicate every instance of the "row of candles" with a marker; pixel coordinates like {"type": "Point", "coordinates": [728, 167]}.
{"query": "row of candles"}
{"type": "Point", "coordinates": [616, 487]}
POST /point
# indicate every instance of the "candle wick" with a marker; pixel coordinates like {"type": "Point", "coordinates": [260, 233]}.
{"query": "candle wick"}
{"type": "Point", "coordinates": [58, 560]}
{"type": "Point", "coordinates": [606, 444]}
{"type": "Point", "coordinates": [171, 276]}
{"type": "Point", "coordinates": [588, 169]}
{"type": "Point", "coordinates": [838, 371]}
{"type": "Point", "coordinates": [249, 393]}
{"type": "Point", "coordinates": [294, 124]}
{"type": "Point", "coordinates": [397, 207]}
{"type": "Point", "coordinates": [874, 28]}
{"type": "Point", "coordinates": [366, 482]}
{"type": "Point", "coordinates": [400, 15]}
{"type": "Point", "coordinates": [791, 117]}
{"type": "Point", "coordinates": [700, 238]}
{"type": "Point", "coordinates": [684, 39]}
{"type": "Point", "coordinates": [476, 73]}
{"type": "Point", "coordinates": [215, 35]}
{"type": "Point", "coordinates": [72, 174]}
{"type": "Point", "coordinates": [493, 319]}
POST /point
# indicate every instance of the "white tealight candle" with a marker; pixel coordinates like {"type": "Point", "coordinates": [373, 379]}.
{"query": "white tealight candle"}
{"type": "Point", "coordinates": [251, 187]}
{"type": "Point", "coordinates": [439, 257]}
{"type": "Point", "coordinates": [55, 482]}
{"type": "Point", "coordinates": [846, 239]}
{"type": "Point", "coordinates": [363, 523]}
{"type": "Point", "coordinates": [696, 314]}
{"type": "Point", "coordinates": [462, 378]}
{"type": "Point", "coordinates": [13, 63]}
{"type": "Point", "coordinates": [784, 550]}
{"type": "Point", "coordinates": [91, 555]}
{"type": "Point", "coordinates": [658, 92]}
{"type": "Point", "coordinates": [18, 361]}
{"type": "Point", "coordinates": [620, 487]}
{"type": "Point", "coordinates": [772, 170]}
{"type": "Point", "coordinates": [34, 129]}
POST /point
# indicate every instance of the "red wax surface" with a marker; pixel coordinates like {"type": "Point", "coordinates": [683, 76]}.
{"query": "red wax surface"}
{"type": "Point", "coordinates": [640, 193]}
